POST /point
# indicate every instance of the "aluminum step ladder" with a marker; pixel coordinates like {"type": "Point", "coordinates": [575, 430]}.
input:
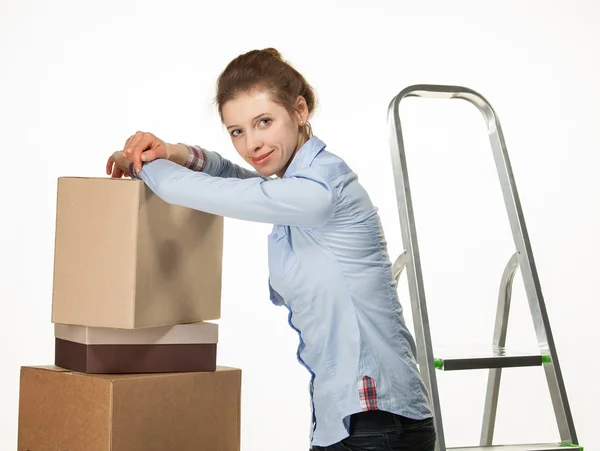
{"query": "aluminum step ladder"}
{"type": "Point", "coordinates": [497, 357]}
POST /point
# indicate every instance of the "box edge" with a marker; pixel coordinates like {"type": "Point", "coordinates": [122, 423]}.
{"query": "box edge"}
{"type": "Point", "coordinates": [134, 323]}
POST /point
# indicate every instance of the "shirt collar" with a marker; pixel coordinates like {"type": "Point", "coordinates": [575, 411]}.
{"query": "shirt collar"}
{"type": "Point", "coordinates": [305, 155]}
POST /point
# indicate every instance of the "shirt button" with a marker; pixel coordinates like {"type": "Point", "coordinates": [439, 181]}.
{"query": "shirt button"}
{"type": "Point", "coordinates": [275, 235]}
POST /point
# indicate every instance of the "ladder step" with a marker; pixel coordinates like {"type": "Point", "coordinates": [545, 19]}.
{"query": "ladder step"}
{"type": "Point", "coordinates": [529, 447]}
{"type": "Point", "coordinates": [486, 359]}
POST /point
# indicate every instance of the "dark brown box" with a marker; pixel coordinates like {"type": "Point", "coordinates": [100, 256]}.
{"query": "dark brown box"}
{"type": "Point", "coordinates": [135, 358]}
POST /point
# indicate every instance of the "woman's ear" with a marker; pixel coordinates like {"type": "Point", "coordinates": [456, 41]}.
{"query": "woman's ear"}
{"type": "Point", "coordinates": [302, 109]}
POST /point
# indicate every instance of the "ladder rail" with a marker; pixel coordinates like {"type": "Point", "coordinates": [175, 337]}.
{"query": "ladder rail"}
{"type": "Point", "coordinates": [499, 341]}
{"type": "Point", "coordinates": [521, 239]}
{"type": "Point", "coordinates": [412, 265]}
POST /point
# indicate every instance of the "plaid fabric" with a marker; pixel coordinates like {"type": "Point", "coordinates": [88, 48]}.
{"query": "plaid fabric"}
{"type": "Point", "coordinates": [196, 158]}
{"type": "Point", "coordinates": [368, 393]}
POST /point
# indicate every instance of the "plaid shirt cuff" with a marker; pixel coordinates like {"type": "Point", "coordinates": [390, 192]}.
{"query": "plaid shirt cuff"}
{"type": "Point", "coordinates": [196, 160]}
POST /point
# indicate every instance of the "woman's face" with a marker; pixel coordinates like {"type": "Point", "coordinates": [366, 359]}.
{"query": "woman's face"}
{"type": "Point", "coordinates": [263, 132]}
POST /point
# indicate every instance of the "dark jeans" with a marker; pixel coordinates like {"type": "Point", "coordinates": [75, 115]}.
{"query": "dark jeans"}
{"type": "Point", "coordinates": [382, 431]}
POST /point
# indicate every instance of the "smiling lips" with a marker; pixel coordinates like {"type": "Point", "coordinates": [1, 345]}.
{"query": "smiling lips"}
{"type": "Point", "coordinates": [262, 159]}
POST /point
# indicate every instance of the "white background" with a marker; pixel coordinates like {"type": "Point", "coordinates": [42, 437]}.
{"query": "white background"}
{"type": "Point", "coordinates": [77, 78]}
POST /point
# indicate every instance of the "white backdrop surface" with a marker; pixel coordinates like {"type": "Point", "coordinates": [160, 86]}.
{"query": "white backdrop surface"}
{"type": "Point", "coordinates": [77, 78]}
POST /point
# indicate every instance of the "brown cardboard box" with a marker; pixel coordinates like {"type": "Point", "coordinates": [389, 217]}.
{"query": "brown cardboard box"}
{"type": "Point", "coordinates": [124, 258]}
{"type": "Point", "coordinates": [182, 347]}
{"type": "Point", "coordinates": [62, 410]}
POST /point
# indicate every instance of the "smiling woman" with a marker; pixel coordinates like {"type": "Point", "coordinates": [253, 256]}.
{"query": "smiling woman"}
{"type": "Point", "coordinates": [328, 261]}
{"type": "Point", "coordinates": [268, 140]}
{"type": "Point", "coordinates": [261, 86]}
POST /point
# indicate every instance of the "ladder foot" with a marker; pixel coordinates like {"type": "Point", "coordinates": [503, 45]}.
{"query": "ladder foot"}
{"type": "Point", "coordinates": [526, 447]}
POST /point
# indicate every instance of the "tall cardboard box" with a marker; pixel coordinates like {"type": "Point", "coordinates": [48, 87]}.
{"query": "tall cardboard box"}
{"type": "Point", "coordinates": [124, 258]}
{"type": "Point", "coordinates": [62, 410]}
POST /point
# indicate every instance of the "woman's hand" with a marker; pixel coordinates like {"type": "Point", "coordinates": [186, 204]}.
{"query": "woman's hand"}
{"type": "Point", "coordinates": [144, 147]}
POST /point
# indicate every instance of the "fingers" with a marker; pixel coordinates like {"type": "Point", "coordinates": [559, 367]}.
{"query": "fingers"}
{"type": "Point", "coordinates": [112, 167]}
{"type": "Point", "coordinates": [109, 165]}
{"type": "Point", "coordinates": [148, 155]}
{"type": "Point", "coordinates": [132, 140]}
{"type": "Point", "coordinates": [116, 171]}
{"type": "Point", "coordinates": [139, 143]}
{"type": "Point", "coordinates": [141, 147]}
{"type": "Point", "coordinates": [117, 165]}
{"type": "Point", "coordinates": [128, 149]}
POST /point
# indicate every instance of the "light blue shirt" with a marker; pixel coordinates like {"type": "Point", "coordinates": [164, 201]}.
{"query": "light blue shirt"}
{"type": "Point", "coordinates": [328, 265]}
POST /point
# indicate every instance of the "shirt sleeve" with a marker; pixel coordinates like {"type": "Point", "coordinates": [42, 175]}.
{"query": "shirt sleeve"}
{"type": "Point", "coordinates": [212, 163]}
{"type": "Point", "coordinates": [305, 200]}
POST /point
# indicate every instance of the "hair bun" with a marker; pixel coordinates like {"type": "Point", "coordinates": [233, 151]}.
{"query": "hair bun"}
{"type": "Point", "coordinates": [273, 52]}
{"type": "Point", "coordinates": [265, 70]}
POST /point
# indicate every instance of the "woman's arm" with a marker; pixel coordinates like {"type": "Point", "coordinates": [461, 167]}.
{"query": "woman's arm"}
{"type": "Point", "coordinates": [306, 200]}
{"type": "Point", "coordinates": [199, 159]}
{"type": "Point", "coordinates": [147, 147]}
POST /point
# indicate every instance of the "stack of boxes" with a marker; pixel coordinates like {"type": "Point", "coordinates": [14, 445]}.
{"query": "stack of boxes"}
{"type": "Point", "coordinates": [137, 284]}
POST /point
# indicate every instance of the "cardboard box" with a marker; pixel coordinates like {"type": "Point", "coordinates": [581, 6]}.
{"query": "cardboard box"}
{"type": "Point", "coordinates": [124, 258]}
{"type": "Point", "coordinates": [183, 347]}
{"type": "Point", "coordinates": [62, 410]}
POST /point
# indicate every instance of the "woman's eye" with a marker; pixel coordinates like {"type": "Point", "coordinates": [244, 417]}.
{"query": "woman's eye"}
{"type": "Point", "coordinates": [235, 132]}
{"type": "Point", "coordinates": [265, 121]}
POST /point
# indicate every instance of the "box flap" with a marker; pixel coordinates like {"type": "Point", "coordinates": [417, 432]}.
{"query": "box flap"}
{"type": "Point", "coordinates": [47, 367]}
{"type": "Point", "coordinates": [112, 180]}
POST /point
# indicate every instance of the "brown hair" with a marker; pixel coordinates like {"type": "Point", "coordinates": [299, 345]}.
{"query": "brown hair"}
{"type": "Point", "coordinates": [266, 70]}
